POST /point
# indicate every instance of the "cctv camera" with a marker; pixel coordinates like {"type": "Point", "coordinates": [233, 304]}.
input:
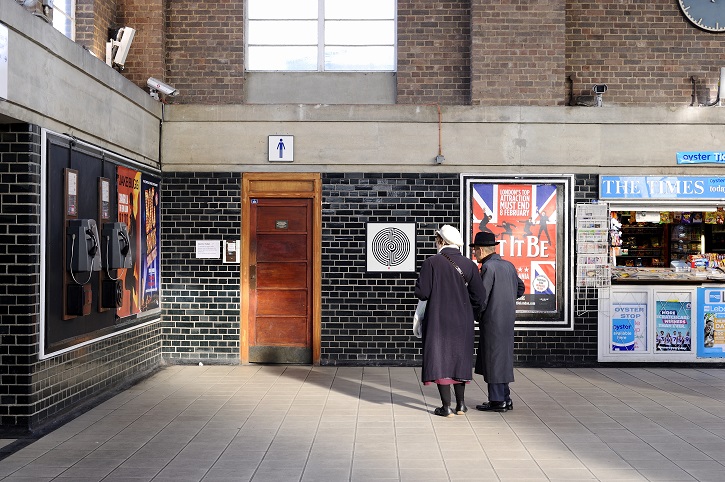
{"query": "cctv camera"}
{"type": "Point", "coordinates": [157, 86]}
{"type": "Point", "coordinates": [599, 88]}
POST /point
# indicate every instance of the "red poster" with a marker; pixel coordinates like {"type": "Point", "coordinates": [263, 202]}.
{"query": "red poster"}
{"type": "Point", "coordinates": [523, 217]}
{"type": "Point", "coordinates": [129, 191]}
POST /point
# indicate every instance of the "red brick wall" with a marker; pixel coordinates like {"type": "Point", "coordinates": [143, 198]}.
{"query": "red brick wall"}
{"type": "Point", "coordinates": [434, 52]}
{"type": "Point", "coordinates": [147, 54]}
{"type": "Point", "coordinates": [205, 51]}
{"type": "Point", "coordinates": [509, 52]}
{"type": "Point", "coordinates": [93, 18]}
{"type": "Point", "coordinates": [518, 52]}
{"type": "Point", "coordinates": [644, 51]}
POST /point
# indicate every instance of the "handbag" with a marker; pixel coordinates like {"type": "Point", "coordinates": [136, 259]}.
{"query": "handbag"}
{"type": "Point", "coordinates": [418, 319]}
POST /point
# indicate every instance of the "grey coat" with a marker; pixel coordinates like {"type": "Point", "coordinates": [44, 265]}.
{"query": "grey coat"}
{"type": "Point", "coordinates": [448, 328]}
{"type": "Point", "coordinates": [502, 285]}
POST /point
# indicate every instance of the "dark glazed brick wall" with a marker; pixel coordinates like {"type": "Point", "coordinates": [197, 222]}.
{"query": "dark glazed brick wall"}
{"type": "Point", "coordinates": [567, 348]}
{"type": "Point", "coordinates": [366, 317]}
{"type": "Point", "coordinates": [20, 268]}
{"type": "Point", "coordinates": [35, 392]}
{"type": "Point", "coordinates": [200, 298]}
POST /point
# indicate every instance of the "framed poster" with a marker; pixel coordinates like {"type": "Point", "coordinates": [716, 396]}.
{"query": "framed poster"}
{"type": "Point", "coordinates": [531, 218]}
{"type": "Point", "coordinates": [391, 247]}
{"type": "Point", "coordinates": [673, 322]}
{"type": "Point", "coordinates": [711, 327]}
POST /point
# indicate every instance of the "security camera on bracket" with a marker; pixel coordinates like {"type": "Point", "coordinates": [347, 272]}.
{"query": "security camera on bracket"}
{"type": "Point", "coordinates": [117, 49]}
{"type": "Point", "coordinates": [157, 87]}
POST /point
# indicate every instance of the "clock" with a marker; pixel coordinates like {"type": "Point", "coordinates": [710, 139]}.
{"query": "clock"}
{"type": "Point", "coordinates": [707, 14]}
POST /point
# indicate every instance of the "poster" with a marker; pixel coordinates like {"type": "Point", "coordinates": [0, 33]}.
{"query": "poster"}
{"type": "Point", "coordinates": [711, 326]}
{"type": "Point", "coordinates": [523, 217]}
{"type": "Point", "coordinates": [673, 325]}
{"type": "Point", "coordinates": [129, 193]}
{"type": "Point", "coordinates": [530, 216]}
{"type": "Point", "coordinates": [629, 327]}
{"type": "Point", "coordinates": [150, 262]}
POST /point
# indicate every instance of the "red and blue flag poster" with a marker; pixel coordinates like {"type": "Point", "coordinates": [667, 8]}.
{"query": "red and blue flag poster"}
{"type": "Point", "coordinates": [523, 217]}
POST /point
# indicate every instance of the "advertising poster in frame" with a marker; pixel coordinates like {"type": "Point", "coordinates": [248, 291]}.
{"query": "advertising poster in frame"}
{"type": "Point", "coordinates": [711, 327]}
{"type": "Point", "coordinates": [150, 266]}
{"type": "Point", "coordinates": [531, 218]}
{"type": "Point", "coordinates": [673, 314]}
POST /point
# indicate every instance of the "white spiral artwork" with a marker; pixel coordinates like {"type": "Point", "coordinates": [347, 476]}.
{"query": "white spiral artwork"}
{"type": "Point", "coordinates": [391, 247]}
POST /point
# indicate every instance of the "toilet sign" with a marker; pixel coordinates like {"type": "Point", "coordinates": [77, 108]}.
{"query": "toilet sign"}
{"type": "Point", "coordinates": [281, 148]}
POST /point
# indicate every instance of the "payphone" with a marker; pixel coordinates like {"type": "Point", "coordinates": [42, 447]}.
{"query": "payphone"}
{"type": "Point", "coordinates": [82, 250]}
{"type": "Point", "coordinates": [116, 254]}
{"type": "Point", "coordinates": [116, 246]}
{"type": "Point", "coordinates": [82, 255]}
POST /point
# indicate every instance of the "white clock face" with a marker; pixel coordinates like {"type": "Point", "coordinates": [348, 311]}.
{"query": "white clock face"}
{"type": "Point", "coordinates": [706, 14]}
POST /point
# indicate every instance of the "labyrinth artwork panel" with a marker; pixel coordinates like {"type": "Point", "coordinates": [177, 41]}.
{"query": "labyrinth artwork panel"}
{"type": "Point", "coordinates": [391, 247]}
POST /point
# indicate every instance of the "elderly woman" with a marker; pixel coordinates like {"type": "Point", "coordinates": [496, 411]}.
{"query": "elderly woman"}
{"type": "Point", "coordinates": [452, 287]}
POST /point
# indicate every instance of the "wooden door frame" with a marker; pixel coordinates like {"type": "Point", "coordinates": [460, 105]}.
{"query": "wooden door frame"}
{"type": "Point", "coordinates": [297, 185]}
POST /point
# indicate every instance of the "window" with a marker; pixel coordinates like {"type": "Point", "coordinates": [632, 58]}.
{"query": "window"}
{"type": "Point", "coordinates": [64, 19]}
{"type": "Point", "coordinates": [321, 35]}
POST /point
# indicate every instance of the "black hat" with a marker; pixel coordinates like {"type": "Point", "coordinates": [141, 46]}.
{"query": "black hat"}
{"type": "Point", "coordinates": [485, 238]}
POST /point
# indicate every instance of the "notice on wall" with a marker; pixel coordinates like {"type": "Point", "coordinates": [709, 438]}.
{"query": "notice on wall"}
{"type": "Point", "coordinates": [208, 249]}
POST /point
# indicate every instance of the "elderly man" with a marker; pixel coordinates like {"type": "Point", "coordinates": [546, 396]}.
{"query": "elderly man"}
{"type": "Point", "coordinates": [495, 358]}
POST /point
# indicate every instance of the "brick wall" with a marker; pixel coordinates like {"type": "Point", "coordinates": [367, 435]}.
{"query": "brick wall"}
{"type": "Point", "coordinates": [200, 297]}
{"type": "Point", "coordinates": [434, 52]}
{"type": "Point", "coordinates": [518, 52]}
{"type": "Point", "coordinates": [93, 18]}
{"type": "Point", "coordinates": [644, 51]}
{"type": "Point", "coordinates": [20, 268]}
{"type": "Point", "coordinates": [205, 50]}
{"type": "Point", "coordinates": [34, 392]}
{"type": "Point", "coordinates": [366, 317]}
{"type": "Point", "coordinates": [147, 56]}
{"type": "Point", "coordinates": [513, 52]}
{"type": "Point", "coordinates": [567, 348]}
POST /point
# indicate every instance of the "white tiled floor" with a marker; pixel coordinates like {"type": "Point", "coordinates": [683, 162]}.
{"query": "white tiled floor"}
{"type": "Point", "coordinates": [293, 423]}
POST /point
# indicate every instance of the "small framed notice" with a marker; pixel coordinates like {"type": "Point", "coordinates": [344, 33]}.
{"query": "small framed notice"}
{"type": "Point", "coordinates": [231, 251]}
{"type": "Point", "coordinates": [208, 249]}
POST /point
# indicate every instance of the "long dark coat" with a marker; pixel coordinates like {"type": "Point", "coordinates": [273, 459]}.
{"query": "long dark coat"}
{"type": "Point", "coordinates": [448, 328]}
{"type": "Point", "coordinates": [502, 285]}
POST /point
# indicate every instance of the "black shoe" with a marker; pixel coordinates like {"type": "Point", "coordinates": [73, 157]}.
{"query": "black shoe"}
{"type": "Point", "coordinates": [492, 407]}
{"type": "Point", "coordinates": [444, 412]}
{"type": "Point", "coordinates": [509, 405]}
{"type": "Point", "coordinates": [461, 408]}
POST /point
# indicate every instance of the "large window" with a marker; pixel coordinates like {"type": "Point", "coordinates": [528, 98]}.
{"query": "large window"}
{"type": "Point", "coordinates": [64, 19]}
{"type": "Point", "coordinates": [321, 35]}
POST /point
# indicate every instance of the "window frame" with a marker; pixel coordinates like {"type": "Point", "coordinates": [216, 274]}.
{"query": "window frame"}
{"type": "Point", "coordinates": [69, 18]}
{"type": "Point", "coordinates": [321, 45]}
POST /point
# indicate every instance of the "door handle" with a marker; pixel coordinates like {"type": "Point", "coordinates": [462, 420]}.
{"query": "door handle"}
{"type": "Point", "coordinates": [253, 276]}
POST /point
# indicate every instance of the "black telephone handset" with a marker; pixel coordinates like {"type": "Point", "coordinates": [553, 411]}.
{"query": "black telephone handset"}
{"type": "Point", "coordinates": [124, 242]}
{"type": "Point", "coordinates": [93, 249]}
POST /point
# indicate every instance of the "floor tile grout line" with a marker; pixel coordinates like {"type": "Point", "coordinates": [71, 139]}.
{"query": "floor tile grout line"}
{"type": "Point", "coordinates": [172, 420]}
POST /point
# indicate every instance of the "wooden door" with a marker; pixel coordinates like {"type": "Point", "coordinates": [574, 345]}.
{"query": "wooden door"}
{"type": "Point", "coordinates": [280, 281]}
